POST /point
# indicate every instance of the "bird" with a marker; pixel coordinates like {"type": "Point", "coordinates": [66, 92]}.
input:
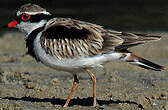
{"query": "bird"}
{"type": "Point", "coordinates": [73, 46]}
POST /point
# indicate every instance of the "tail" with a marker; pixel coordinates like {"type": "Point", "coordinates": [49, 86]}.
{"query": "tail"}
{"type": "Point", "coordinates": [133, 59]}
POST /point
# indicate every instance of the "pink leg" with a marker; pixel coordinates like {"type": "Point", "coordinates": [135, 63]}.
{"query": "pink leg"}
{"type": "Point", "coordinates": [94, 86]}
{"type": "Point", "coordinates": [75, 85]}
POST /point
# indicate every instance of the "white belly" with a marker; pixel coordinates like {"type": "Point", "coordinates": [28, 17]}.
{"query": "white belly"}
{"type": "Point", "coordinates": [69, 64]}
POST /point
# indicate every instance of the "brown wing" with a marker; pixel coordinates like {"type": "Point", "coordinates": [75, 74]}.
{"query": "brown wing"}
{"type": "Point", "coordinates": [66, 38]}
{"type": "Point", "coordinates": [70, 38]}
{"type": "Point", "coordinates": [133, 39]}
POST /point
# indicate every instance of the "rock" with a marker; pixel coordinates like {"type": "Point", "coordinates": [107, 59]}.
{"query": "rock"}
{"type": "Point", "coordinates": [31, 85]}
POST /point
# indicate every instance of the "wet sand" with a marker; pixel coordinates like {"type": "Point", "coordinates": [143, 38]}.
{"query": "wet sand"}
{"type": "Point", "coordinates": [28, 85]}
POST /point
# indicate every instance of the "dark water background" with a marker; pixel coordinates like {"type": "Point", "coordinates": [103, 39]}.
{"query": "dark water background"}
{"type": "Point", "coordinates": [124, 15]}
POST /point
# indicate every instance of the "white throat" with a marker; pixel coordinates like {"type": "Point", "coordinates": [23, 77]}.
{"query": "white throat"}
{"type": "Point", "coordinates": [28, 27]}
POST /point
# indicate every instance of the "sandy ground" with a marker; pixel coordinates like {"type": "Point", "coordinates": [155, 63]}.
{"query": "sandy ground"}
{"type": "Point", "coordinates": [28, 85]}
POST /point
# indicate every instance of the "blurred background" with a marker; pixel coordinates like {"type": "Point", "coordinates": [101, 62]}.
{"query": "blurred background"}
{"type": "Point", "coordinates": [123, 15]}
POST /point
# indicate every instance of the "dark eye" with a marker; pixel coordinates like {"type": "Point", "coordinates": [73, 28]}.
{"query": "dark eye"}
{"type": "Point", "coordinates": [25, 17]}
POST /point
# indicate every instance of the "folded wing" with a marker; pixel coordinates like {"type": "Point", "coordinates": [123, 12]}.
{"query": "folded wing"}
{"type": "Point", "coordinates": [71, 38]}
{"type": "Point", "coordinates": [68, 38]}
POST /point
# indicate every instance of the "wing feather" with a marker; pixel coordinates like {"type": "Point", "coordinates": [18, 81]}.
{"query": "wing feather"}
{"type": "Point", "coordinates": [68, 38]}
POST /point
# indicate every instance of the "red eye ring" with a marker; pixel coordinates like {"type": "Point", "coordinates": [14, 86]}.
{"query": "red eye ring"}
{"type": "Point", "coordinates": [25, 17]}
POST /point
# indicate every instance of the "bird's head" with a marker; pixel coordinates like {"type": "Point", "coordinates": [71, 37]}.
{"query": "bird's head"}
{"type": "Point", "coordinates": [29, 17]}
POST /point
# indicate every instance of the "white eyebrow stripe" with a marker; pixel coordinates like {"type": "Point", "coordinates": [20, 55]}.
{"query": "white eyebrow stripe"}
{"type": "Point", "coordinates": [33, 13]}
